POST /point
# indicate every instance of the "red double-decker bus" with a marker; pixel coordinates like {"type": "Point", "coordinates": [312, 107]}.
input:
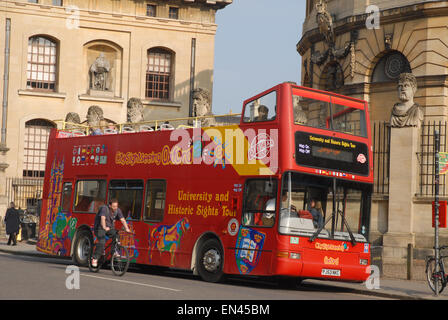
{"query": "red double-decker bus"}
{"type": "Point", "coordinates": [286, 192]}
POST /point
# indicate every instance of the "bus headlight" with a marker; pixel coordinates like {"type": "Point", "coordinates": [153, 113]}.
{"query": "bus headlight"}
{"type": "Point", "coordinates": [363, 262]}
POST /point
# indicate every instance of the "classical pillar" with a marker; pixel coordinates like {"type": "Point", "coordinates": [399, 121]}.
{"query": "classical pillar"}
{"type": "Point", "coordinates": [3, 195]}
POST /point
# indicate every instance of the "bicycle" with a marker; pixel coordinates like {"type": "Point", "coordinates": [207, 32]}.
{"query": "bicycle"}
{"type": "Point", "coordinates": [440, 276]}
{"type": "Point", "coordinates": [114, 252]}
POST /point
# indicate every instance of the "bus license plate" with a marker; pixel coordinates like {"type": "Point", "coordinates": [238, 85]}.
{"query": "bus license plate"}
{"type": "Point", "coordinates": [331, 272]}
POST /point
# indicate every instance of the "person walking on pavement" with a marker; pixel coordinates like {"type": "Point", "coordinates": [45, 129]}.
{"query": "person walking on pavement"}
{"type": "Point", "coordinates": [12, 221]}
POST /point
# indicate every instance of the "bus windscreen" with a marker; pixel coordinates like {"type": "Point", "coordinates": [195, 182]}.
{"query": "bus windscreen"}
{"type": "Point", "coordinates": [334, 114]}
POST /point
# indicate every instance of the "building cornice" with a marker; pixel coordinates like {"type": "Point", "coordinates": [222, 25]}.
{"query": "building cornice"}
{"type": "Point", "coordinates": [114, 18]}
{"type": "Point", "coordinates": [388, 16]}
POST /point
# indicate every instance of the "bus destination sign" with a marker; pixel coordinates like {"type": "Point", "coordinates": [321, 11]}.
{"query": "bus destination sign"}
{"type": "Point", "coordinates": [323, 152]}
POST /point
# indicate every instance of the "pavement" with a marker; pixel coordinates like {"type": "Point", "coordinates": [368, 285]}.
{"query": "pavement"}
{"type": "Point", "coordinates": [382, 287]}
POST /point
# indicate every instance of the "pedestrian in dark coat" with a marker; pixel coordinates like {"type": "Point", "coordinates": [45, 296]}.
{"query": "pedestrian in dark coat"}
{"type": "Point", "coordinates": [12, 221]}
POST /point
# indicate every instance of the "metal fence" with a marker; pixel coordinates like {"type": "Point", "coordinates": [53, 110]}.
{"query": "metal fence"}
{"type": "Point", "coordinates": [381, 157]}
{"type": "Point", "coordinates": [426, 158]}
{"type": "Point", "coordinates": [25, 192]}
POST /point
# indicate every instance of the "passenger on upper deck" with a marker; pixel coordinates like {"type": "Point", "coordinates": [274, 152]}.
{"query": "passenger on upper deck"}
{"type": "Point", "coordinates": [262, 113]}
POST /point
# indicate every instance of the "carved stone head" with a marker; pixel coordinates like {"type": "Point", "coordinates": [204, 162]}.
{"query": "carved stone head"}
{"type": "Point", "coordinates": [94, 116]}
{"type": "Point", "coordinates": [201, 102]}
{"type": "Point", "coordinates": [407, 86]}
{"type": "Point", "coordinates": [72, 117]}
{"type": "Point", "coordinates": [135, 110]}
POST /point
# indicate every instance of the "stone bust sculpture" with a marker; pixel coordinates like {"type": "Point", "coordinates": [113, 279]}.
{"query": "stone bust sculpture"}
{"type": "Point", "coordinates": [406, 113]}
{"type": "Point", "coordinates": [71, 119]}
{"type": "Point", "coordinates": [94, 116]}
{"type": "Point", "coordinates": [300, 116]}
{"type": "Point", "coordinates": [99, 72]}
{"type": "Point", "coordinates": [201, 106]}
{"type": "Point", "coordinates": [135, 110]}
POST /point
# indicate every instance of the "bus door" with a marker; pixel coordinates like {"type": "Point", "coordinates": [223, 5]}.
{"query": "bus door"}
{"type": "Point", "coordinates": [257, 233]}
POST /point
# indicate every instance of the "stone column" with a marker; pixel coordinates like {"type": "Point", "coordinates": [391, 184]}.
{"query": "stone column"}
{"type": "Point", "coordinates": [3, 196]}
{"type": "Point", "coordinates": [402, 188]}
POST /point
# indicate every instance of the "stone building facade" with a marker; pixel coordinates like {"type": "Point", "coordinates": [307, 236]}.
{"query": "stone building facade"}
{"type": "Point", "coordinates": [359, 48]}
{"type": "Point", "coordinates": [65, 56]}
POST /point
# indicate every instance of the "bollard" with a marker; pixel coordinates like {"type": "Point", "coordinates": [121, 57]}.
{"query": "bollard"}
{"type": "Point", "coordinates": [410, 260]}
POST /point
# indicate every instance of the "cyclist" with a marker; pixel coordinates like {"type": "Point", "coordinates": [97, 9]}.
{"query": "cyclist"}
{"type": "Point", "coordinates": [104, 226]}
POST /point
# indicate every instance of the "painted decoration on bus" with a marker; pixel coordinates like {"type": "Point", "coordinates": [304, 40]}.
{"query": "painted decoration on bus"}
{"type": "Point", "coordinates": [249, 245]}
{"type": "Point", "coordinates": [167, 238]}
{"type": "Point", "coordinates": [128, 240]}
{"type": "Point", "coordinates": [89, 155]}
{"type": "Point", "coordinates": [57, 233]}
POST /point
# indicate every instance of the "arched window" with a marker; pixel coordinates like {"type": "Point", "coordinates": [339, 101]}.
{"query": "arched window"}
{"type": "Point", "coordinates": [390, 67]}
{"type": "Point", "coordinates": [37, 132]}
{"type": "Point", "coordinates": [42, 62]}
{"type": "Point", "coordinates": [159, 73]}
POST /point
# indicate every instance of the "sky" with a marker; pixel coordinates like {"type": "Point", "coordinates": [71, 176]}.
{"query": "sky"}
{"type": "Point", "coordinates": [255, 49]}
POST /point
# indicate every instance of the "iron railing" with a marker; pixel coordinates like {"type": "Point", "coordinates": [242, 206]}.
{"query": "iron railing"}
{"type": "Point", "coordinates": [427, 160]}
{"type": "Point", "coordinates": [26, 193]}
{"type": "Point", "coordinates": [381, 157]}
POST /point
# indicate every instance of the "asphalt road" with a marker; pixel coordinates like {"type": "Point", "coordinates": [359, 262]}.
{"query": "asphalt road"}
{"type": "Point", "coordinates": [31, 278]}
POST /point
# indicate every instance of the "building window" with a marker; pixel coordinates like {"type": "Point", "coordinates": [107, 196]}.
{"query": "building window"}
{"type": "Point", "coordinates": [32, 1]}
{"type": "Point", "coordinates": [41, 70]}
{"type": "Point", "coordinates": [174, 13]}
{"type": "Point", "coordinates": [158, 74]}
{"type": "Point", "coordinates": [57, 3]}
{"type": "Point", "coordinates": [151, 10]}
{"type": "Point", "coordinates": [390, 67]}
{"type": "Point", "coordinates": [37, 132]}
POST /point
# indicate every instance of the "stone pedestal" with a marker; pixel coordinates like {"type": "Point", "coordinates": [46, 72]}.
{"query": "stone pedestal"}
{"type": "Point", "coordinates": [402, 188]}
{"type": "Point", "coordinates": [101, 93]}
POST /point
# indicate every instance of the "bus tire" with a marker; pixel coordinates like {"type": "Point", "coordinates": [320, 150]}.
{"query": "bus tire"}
{"type": "Point", "coordinates": [82, 247]}
{"type": "Point", "coordinates": [210, 261]}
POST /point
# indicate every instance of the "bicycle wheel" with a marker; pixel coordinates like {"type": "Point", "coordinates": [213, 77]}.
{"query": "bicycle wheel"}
{"type": "Point", "coordinates": [120, 260]}
{"type": "Point", "coordinates": [432, 277]}
{"type": "Point", "coordinates": [92, 268]}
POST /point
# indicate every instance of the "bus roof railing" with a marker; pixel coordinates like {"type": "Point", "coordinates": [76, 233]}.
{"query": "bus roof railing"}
{"type": "Point", "coordinates": [78, 129]}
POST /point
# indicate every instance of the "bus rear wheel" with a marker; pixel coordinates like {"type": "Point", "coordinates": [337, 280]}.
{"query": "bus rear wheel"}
{"type": "Point", "coordinates": [82, 248]}
{"type": "Point", "coordinates": [210, 261]}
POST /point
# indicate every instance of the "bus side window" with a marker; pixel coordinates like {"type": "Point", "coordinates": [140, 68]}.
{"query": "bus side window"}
{"type": "Point", "coordinates": [155, 200]}
{"type": "Point", "coordinates": [129, 194]}
{"type": "Point", "coordinates": [89, 195]}
{"type": "Point", "coordinates": [261, 109]}
{"type": "Point", "coordinates": [66, 194]}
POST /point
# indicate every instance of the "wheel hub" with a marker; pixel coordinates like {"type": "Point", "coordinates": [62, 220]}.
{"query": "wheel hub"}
{"type": "Point", "coordinates": [211, 260]}
{"type": "Point", "coordinates": [84, 248]}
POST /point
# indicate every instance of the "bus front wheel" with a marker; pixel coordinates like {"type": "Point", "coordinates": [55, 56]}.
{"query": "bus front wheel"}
{"type": "Point", "coordinates": [82, 248]}
{"type": "Point", "coordinates": [210, 261]}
